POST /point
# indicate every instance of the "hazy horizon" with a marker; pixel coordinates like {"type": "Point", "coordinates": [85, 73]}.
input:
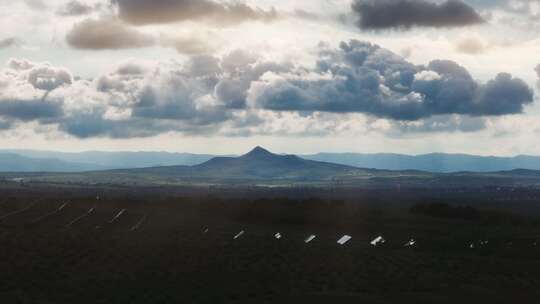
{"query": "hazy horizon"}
{"type": "Point", "coordinates": [241, 152]}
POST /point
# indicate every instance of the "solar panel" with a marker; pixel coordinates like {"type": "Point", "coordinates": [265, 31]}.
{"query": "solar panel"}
{"type": "Point", "coordinates": [310, 238]}
{"type": "Point", "coordinates": [344, 239]}
{"type": "Point", "coordinates": [59, 209]}
{"type": "Point", "coordinates": [410, 243]}
{"type": "Point", "coordinates": [117, 216]}
{"type": "Point", "coordinates": [239, 235]}
{"type": "Point", "coordinates": [19, 211]}
{"type": "Point", "coordinates": [378, 241]}
{"type": "Point", "coordinates": [88, 213]}
{"type": "Point", "coordinates": [139, 223]}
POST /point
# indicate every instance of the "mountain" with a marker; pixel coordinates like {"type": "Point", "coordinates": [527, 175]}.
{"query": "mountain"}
{"type": "Point", "coordinates": [258, 164]}
{"type": "Point", "coordinates": [16, 163]}
{"type": "Point", "coordinates": [95, 160]}
{"type": "Point", "coordinates": [262, 168]}
{"type": "Point", "coordinates": [435, 162]}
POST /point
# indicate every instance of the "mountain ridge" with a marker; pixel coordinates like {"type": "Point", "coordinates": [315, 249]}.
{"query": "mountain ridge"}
{"type": "Point", "coordinates": [11, 162]}
{"type": "Point", "coordinates": [432, 162]}
{"type": "Point", "coordinates": [260, 167]}
{"type": "Point", "coordinates": [436, 162]}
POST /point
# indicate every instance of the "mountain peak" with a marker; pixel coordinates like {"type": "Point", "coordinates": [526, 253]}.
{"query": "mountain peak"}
{"type": "Point", "coordinates": [259, 151]}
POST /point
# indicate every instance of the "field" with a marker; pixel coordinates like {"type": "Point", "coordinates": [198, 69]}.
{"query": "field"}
{"type": "Point", "coordinates": [175, 245]}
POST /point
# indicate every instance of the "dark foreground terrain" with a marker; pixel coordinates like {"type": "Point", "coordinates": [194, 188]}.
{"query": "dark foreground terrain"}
{"type": "Point", "coordinates": [176, 246]}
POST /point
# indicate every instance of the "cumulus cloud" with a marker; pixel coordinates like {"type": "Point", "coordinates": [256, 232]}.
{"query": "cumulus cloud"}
{"type": "Point", "coordinates": [404, 14]}
{"type": "Point", "coordinates": [136, 99]}
{"type": "Point", "coordinates": [40, 76]}
{"type": "Point", "coordinates": [107, 33]}
{"type": "Point", "coordinates": [241, 93]}
{"type": "Point", "coordinates": [364, 78]}
{"type": "Point", "coordinates": [25, 89]}
{"type": "Point", "coordinates": [141, 12]}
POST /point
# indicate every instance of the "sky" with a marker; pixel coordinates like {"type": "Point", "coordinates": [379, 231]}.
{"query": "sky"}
{"type": "Point", "coordinates": [305, 76]}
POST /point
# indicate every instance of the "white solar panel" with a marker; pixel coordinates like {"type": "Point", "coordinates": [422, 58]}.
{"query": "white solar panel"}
{"type": "Point", "coordinates": [310, 238]}
{"type": "Point", "coordinates": [88, 213]}
{"type": "Point", "coordinates": [58, 210]}
{"type": "Point", "coordinates": [239, 234]}
{"type": "Point", "coordinates": [410, 243]}
{"type": "Point", "coordinates": [378, 241]}
{"type": "Point", "coordinates": [118, 215]}
{"type": "Point", "coordinates": [344, 239]}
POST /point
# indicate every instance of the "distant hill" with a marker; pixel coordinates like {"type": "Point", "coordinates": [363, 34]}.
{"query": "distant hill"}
{"type": "Point", "coordinates": [435, 162]}
{"type": "Point", "coordinates": [258, 164]}
{"type": "Point", "coordinates": [95, 160]}
{"type": "Point", "coordinates": [16, 163]}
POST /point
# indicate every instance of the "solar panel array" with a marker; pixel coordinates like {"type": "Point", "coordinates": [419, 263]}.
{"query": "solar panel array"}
{"type": "Point", "coordinates": [138, 221]}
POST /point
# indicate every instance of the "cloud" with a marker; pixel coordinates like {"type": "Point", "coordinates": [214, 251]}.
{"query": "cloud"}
{"type": "Point", "coordinates": [110, 33]}
{"type": "Point", "coordinates": [106, 33]}
{"type": "Point", "coordinates": [404, 14]}
{"type": "Point", "coordinates": [75, 8]}
{"type": "Point", "coordinates": [8, 42]}
{"type": "Point", "coordinates": [27, 110]}
{"type": "Point", "coordinates": [41, 76]}
{"type": "Point", "coordinates": [502, 95]}
{"type": "Point", "coordinates": [523, 15]}
{"type": "Point", "coordinates": [240, 93]}
{"type": "Point", "coordinates": [136, 99]}
{"type": "Point", "coordinates": [189, 44]}
{"type": "Point", "coordinates": [142, 12]}
{"type": "Point", "coordinates": [25, 89]}
{"type": "Point", "coordinates": [242, 69]}
{"type": "Point", "coordinates": [363, 78]}
{"type": "Point", "coordinates": [471, 46]}
{"type": "Point", "coordinates": [437, 124]}
{"type": "Point", "coordinates": [5, 125]}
